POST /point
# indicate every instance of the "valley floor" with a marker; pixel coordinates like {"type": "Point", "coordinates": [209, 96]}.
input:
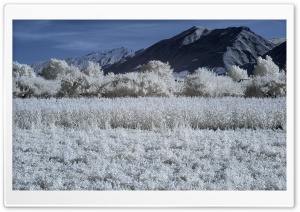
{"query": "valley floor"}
{"type": "Point", "coordinates": [52, 156]}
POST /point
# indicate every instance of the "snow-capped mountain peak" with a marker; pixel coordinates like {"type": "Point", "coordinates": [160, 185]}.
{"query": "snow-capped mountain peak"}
{"type": "Point", "coordinates": [104, 58]}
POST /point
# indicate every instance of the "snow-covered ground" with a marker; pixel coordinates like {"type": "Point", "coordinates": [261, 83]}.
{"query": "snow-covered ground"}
{"type": "Point", "coordinates": [108, 144]}
{"type": "Point", "coordinates": [151, 112]}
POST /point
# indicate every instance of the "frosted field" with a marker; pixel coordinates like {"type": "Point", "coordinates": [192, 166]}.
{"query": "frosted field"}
{"type": "Point", "coordinates": [151, 113]}
{"type": "Point", "coordinates": [149, 144]}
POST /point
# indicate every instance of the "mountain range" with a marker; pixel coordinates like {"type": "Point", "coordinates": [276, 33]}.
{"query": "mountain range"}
{"type": "Point", "coordinates": [104, 58]}
{"type": "Point", "coordinates": [196, 47]}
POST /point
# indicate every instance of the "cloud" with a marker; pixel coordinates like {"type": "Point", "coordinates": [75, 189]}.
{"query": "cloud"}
{"type": "Point", "coordinates": [76, 45]}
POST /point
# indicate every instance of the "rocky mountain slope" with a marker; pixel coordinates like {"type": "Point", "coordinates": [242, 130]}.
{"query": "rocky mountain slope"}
{"type": "Point", "coordinates": [196, 47]}
{"type": "Point", "coordinates": [200, 47]}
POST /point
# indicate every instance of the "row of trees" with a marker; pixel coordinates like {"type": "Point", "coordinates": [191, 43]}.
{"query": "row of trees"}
{"type": "Point", "coordinates": [155, 79]}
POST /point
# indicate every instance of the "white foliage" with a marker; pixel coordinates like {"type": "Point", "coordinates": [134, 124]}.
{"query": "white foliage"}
{"type": "Point", "coordinates": [92, 69]}
{"type": "Point", "coordinates": [59, 69]}
{"type": "Point", "coordinates": [266, 86]}
{"type": "Point", "coordinates": [152, 112]}
{"type": "Point", "coordinates": [267, 81]}
{"type": "Point", "coordinates": [265, 67]}
{"type": "Point", "coordinates": [136, 84]}
{"type": "Point", "coordinates": [155, 79]}
{"type": "Point", "coordinates": [74, 87]}
{"type": "Point", "coordinates": [154, 85]}
{"type": "Point", "coordinates": [100, 144]}
{"type": "Point", "coordinates": [74, 83]}
{"type": "Point", "coordinates": [56, 158]}
{"type": "Point", "coordinates": [20, 70]}
{"type": "Point", "coordinates": [206, 83]}
{"type": "Point", "coordinates": [36, 87]}
{"type": "Point", "coordinates": [237, 73]}
{"type": "Point", "coordinates": [121, 85]}
{"type": "Point", "coordinates": [163, 70]}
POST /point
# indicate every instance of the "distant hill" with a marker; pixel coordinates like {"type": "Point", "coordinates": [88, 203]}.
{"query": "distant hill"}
{"type": "Point", "coordinates": [104, 58]}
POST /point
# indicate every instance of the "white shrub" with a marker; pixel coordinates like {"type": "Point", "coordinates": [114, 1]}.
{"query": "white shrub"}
{"type": "Point", "coordinates": [35, 87]}
{"type": "Point", "coordinates": [92, 69]}
{"type": "Point", "coordinates": [267, 81]}
{"type": "Point", "coordinates": [266, 86]}
{"type": "Point", "coordinates": [136, 84]}
{"type": "Point", "coordinates": [74, 83]}
{"type": "Point", "coordinates": [155, 79]}
{"type": "Point", "coordinates": [153, 85]}
{"type": "Point", "coordinates": [59, 69]}
{"type": "Point", "coordinates": [20, 70]}
{"type": "Point", "coordinates": [265, 67]}
{"type": "Point", "coordinates": [158, 79]}
{"type": "Point", "coordinates": [161, 69]}
{"type": "Point", "coordinates": [237, 73]}
{"type": "Point", "coordinates": [121, 85]}
{"type": "Point", "coordinates": [206, 83]}
{"type": "Point", "coordinates": [75, 86]}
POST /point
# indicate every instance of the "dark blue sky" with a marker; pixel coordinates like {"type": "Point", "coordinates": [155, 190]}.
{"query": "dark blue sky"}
{"type": "Point", "coordinates": [37, 40]}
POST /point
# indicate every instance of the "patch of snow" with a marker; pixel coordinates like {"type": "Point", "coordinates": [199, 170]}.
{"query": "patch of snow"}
{"type": "Point", "coordinates": [196, 35]}
{"type": "Point", "coordinates": [277, 41]}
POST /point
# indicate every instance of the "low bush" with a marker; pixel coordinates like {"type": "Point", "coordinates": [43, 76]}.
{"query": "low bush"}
{"type": "Point", "coordinates": [206, 83]}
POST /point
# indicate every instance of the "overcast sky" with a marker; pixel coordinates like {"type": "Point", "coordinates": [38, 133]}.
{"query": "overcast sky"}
{"type": "Point", "coordinates": [38, 40]}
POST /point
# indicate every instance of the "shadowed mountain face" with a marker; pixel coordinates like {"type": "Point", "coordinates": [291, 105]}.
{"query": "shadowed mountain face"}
{"type": "Point", "coordinates": [200, 47]}
{"type": "Point", "coordinates": [278, 55]}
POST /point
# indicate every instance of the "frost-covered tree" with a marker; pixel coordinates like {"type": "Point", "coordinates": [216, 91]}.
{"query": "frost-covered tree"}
{"type": "Point", "coordinates": [35, 87]}
{"type": "Point", "coordinates": [266, 86]}
{"type": "Point", "coordinates": [155, 79]}
{"type": "Point", "coordinates": [59, 69]}
{"type": "Point", "coordinates": [153, 85]}
{"type": "Point", "coordinates": [158, 79]}
{"type": "Point", "coordinates": [267, 81]}
{"type": "Point", "coordinates": [74, 83]}
{"type": "Point", "coordinates": [204, 82]}
{"type": "Point", "coordinates": [74, 87]}
{"type": "Point", "coordinates": [92, 69]}
{"type": "Point", "coordinates": [20, 70]}
{"type": "Point", "coordinates": [161, 69]}
{"type": "Point", "coordinates": [265, 67]}
{"type": "Point", "coordinates": [237, 73]}
{"type": "Point", "coordinates": [121, 85]}
{"type": "Point", "coordinates": [136, 84]}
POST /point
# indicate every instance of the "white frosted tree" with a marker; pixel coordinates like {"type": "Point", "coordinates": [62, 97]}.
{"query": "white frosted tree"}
{"type": "Point", "coordinates": [92, 69]}
{"type": "Point", "coordinates": [36, 87]}
{"type": "Point", "coordinates": [204, 82]}
{"type": "Point", "coordinates": [155, 79]}
{"type": "Point", "coordinates": [20, 70]}
{"type": "Point", "coordinates": [267, 81]}
{"type": "Point", "coordinates": [237, 73]}
{"type": "Point", "coordinates": [59, 69]}
{"type": "Point", "coordinates": [161, 69]}
{"type": "Point", "coordinates": [265, 67]}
